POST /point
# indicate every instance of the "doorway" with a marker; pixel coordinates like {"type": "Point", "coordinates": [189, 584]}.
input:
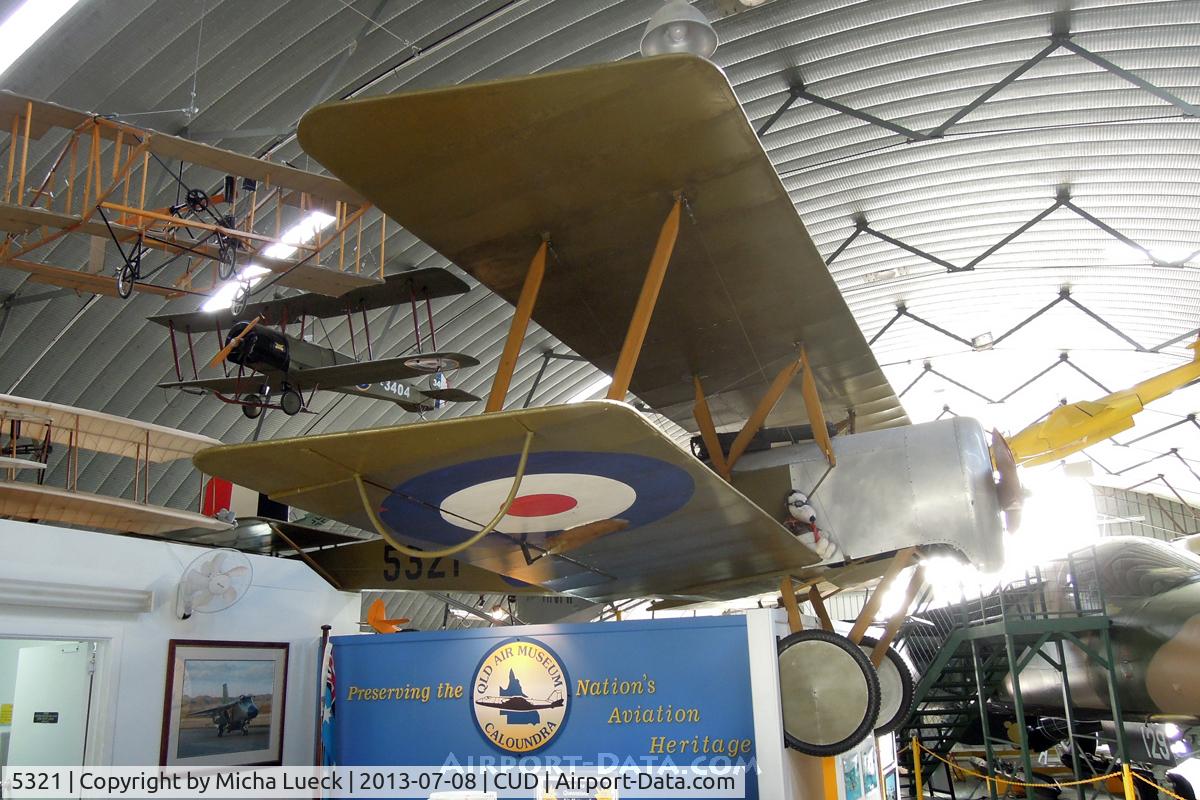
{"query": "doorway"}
{"type": "Point", "coordinates": [45, 701]}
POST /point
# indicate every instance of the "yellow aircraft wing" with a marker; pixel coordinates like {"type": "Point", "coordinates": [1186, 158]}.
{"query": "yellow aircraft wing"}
{"type": "Point", "coordinates": [437, 483]}
{"type": "Point", "coordinates": [592, 156]}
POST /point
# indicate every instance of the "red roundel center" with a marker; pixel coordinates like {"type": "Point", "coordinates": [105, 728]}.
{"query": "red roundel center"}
{"type": "Point", "coordinates": [541, 505]}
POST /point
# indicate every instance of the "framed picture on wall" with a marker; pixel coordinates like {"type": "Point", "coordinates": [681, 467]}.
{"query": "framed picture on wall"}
{"type": "Point", "coordinates": [224, 703]}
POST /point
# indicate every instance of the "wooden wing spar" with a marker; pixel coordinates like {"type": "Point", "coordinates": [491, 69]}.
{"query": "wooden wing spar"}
{"type": "Point", "coordinates": [593, 158]}
{"type": "Point", "coordinates": [437, 483]}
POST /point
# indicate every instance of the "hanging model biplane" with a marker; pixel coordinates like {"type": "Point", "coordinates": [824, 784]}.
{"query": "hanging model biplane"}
{"type": "Point", "coordinates": [147, 194]}
{"type": "Point", "coordinates": [271, 362]}
{"type": "Point", "coordinates": [591, 499]}
{"type": "Point", "coordinates": [34, 429]}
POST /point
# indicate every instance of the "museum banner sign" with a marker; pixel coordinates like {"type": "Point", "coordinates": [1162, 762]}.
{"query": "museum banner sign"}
{"type": "Point", "coordinates": [620, 695]}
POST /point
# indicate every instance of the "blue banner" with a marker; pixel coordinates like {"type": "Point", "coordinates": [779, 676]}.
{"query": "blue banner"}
{"type": "Point", "coordinates": [641, 693]}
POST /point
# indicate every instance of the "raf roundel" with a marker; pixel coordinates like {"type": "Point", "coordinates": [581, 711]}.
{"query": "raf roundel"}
{"type": "Point", "coordinates": [560, 490]}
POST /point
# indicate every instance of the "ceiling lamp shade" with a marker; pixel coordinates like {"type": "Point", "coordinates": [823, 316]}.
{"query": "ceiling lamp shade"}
{"type": "Point", "coordinates": [677, 27]}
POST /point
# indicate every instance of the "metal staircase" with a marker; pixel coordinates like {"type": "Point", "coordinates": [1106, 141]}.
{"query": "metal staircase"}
{"type": "Point", "coordinates": [962, 653]}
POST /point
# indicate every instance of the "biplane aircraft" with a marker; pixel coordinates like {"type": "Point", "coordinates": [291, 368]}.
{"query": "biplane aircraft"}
{"type": "Point", "coordinates": [275, 363]}
{"type": "Point", "coordinates": [106, 181]}
{"type": "Point", "coordinates": [30, 430]}
{"type": "Point", "coordinates": [615, 166]}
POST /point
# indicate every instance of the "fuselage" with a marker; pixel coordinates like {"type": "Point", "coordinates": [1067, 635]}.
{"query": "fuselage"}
{"type": "Point", "coordinates": [1151, 592]}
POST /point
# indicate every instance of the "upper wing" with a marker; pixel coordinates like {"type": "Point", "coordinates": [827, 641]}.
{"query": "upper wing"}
{"type": "Point", "coordinates": [387, 369]}
{"type": "Point", "coordinates": [592, 156]}
{"type": "Point", "coordinates": [99, 432]}
{"type": "Point", "coordinates": [436, 483]}
{"type": "Point", "coordinates": [429, 283]}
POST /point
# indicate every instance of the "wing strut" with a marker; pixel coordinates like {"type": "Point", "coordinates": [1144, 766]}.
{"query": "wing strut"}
{"type": "Point", "coordinates": [516, 330]}
{"type": "Point", "coordinates": [708, 431]}
{"type": "Point", "coordinates": [723, 463]}
{"type": "Point", "coordinates": [635, 334]}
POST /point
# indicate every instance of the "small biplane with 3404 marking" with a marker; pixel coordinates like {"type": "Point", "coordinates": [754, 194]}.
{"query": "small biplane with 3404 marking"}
{"type": "Point", "coordinates": [273, 363]}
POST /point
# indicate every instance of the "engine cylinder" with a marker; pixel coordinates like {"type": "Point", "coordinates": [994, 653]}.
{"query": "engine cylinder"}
{"type": "Point", "coordinates": [260, 349]}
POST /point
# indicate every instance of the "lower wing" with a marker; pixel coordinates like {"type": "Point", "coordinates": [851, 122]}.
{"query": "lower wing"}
{"type": "Point", "coordinates": [434, 484]}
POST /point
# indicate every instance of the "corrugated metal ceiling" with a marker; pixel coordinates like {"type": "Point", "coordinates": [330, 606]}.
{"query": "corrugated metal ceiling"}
{"type": "Point", "coordinates": [1126, 156]}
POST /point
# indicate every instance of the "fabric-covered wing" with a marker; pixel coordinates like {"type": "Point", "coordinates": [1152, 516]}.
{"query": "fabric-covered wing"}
{"type": "Point", "coordinates": [99, 432]}
{"type": "Point", "coordinates": [228, 385]}
{"type": "Point", "coordinates": [96, 511]}
{"type": "Point", "coordinates": [420, 284]}
{"type": "Point", "coordinates": [387, 369]}
{"type": "Point", "coordinates": [437, 483]}
{"type": "Point", "coordinates": [592, 157]}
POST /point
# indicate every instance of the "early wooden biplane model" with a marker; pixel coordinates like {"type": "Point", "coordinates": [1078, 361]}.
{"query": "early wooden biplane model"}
{"type": "Point", "coordinates": [34, 429]}
{"type": "Point", "coordinates": [143, 192]}
{"type": "Point", "coordinates": [592, 499]}
{"type": "Point", "coordinates": [273, 362]}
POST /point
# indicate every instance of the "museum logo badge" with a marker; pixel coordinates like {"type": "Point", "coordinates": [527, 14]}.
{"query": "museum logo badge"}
{"type": "Point", "coordinates": [520, 696]}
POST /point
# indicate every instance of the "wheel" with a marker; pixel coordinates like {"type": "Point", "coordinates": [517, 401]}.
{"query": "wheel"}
{"type": "Point", "coordinates": [251, 405]}
{"type": "Point", "coordinates": [238, 304]}
{"type": "Point", "coordinates": [896, 688]}
{"type": "Point", "coordinates": [830, 693]}
{"type": "Point", "coordinates": [291, 402]}
{"type": "Point", "coordinates": [125, 281]}
{"type": "Point", "coordinates": [226, 257]}
{"type": "Point", "coordinates": [197, 200]}
{"type": "Point", "coordinates": [1181, 786]}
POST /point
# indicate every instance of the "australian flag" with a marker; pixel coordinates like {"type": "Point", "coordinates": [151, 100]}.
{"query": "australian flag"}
{"type": "Point", "coordinates": [328, 696]}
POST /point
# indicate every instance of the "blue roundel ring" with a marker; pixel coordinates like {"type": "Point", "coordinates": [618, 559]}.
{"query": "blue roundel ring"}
{"type": "Point", "coordinates": [413, 507]}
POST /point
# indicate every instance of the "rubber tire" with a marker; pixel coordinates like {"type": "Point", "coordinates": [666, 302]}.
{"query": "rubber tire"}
{"type": "Point", "coordinates": [255, 409]}
{"type": "Point", "coordinates": [125, 281]}
{"type": "Point", "coordinates": [867, 725]}
{"type": "Point", "coordinates": [290, 402]}
{"type": "Point", "coordinates": [238, 304]}
{"type": "Point", "coordinates": [226, 259]}
{"type": "Point", "coordinates": [907, 684]}
{"type": "Point", "coordinates": [1181, 786]}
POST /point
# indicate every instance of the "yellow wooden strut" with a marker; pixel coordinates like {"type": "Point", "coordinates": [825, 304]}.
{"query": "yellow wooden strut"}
{"type": "Point", "coordinates": [708, 431]}
{"type": "Point", "coordinates": [899, 561]}
{"type": "Point", "coordinates": [812, 405]}
{"type": "Point", "coordinates": [635, 334]}
{"type": "Point", "coordinates": [765, 406]}
{"type": "Point", "coordinates": [915, 583]}
{"type": "Point", "coordinates": [516, 330]}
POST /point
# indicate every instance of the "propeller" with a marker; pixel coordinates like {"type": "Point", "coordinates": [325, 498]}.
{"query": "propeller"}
{"type": "Point", "coordinates": [224, 352]}
{"type": "Point", "coordinates": [1008, 487]}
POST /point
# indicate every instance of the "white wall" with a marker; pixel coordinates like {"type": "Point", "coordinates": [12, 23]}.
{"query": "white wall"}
{"type": "Point", "coordinates": [287, 602]}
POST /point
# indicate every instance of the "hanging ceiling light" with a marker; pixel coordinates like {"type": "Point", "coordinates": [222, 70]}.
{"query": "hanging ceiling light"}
{"type": "Point", "coordinates": [677, 27]}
